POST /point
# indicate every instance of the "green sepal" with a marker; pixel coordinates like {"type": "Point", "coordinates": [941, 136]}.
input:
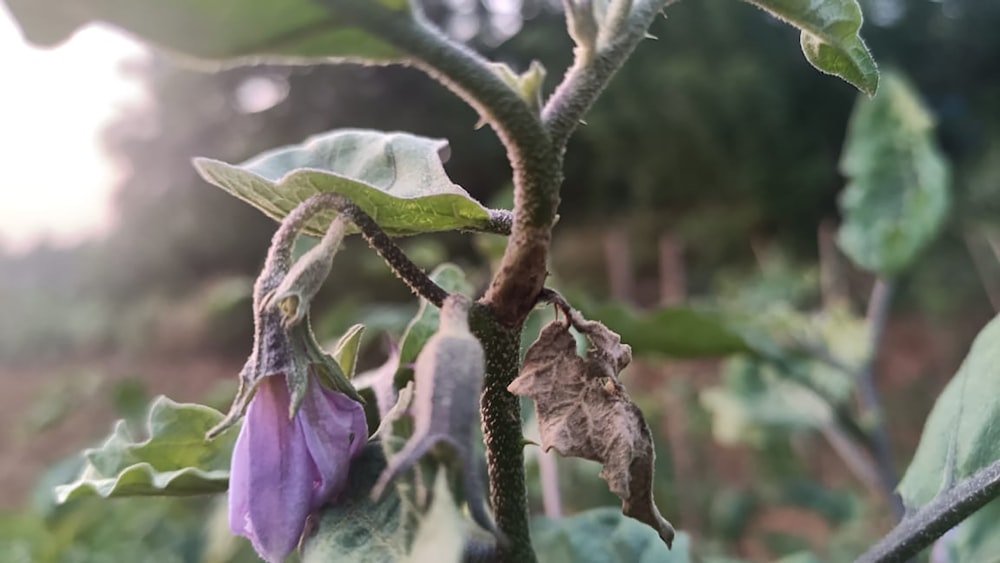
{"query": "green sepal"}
{"type": "Point", "coordinates": [345, 352]}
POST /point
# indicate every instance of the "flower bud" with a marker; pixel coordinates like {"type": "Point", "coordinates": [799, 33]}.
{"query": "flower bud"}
{"type": "Point", "coordinates": [303, 281]}
{"type": "Point", "coordinates": [448, 380]}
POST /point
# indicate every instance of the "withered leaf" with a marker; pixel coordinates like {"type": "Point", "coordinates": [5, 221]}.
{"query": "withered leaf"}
{"type": "Point", "coordinates": [584, 411]}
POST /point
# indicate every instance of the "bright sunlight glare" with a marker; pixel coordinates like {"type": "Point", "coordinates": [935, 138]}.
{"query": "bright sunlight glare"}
{"type": "Point", "coordinates": [57, 180]}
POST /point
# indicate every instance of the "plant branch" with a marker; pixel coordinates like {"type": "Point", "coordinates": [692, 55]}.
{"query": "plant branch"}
{"type": "Point", "coordinates": [856, 459]}
{"type": "Point", "coordinates": [401, 265]}
{"type": "Point", "coordinates": [871, 405]}
{"type": "Point", "coordinates": [591, 71]}
{"type": "Point", "coordinates": [535, 162]}
{"type": "Point", "coordinates": [920, 529]}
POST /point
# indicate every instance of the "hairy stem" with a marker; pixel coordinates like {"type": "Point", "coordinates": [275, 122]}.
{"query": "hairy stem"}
{"type": "Point", "coordinates": [502, 433]}
{"type": "Point", "coordinates": [919, 530]}
{"type": "Point", "coordinates": [591, 72]}
{"type": "Point", "coordinates": [871, 404]}
{"type": "Point", "coordinates": [401, 265]}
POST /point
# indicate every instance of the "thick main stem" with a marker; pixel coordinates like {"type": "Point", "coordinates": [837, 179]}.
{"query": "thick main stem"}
{"type": "Point", "coordinates": [502, 433]}
{"type": "Point", "coordinates": [537, 172]}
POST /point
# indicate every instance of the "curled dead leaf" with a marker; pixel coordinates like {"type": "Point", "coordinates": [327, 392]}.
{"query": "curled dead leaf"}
{"type": "Point", "coordinates": [584, 411]}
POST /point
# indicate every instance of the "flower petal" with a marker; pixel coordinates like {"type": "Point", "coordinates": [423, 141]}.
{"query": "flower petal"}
{"type": "Point", "coordinates": [272, 475]}
{"type": "Point", "coordinates": [239, 483]}
{"type": "Point", "coordinates": [335, 430]}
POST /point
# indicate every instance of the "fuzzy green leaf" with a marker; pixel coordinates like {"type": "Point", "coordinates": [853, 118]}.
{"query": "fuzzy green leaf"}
{"type": "Point", "coordinates": [425, 324]}
{"type": "Point", "coordinates": [830, 39]}
{"type": "Point", "coordinates": [357, 528]}
{"type": "Point", "coordinates": [291, 31]}
{"type": "Point", "coordinates": [604, 535]}
{"type": "Point", "coordinates": [898, 195]}
{"type": "Point", "coordinates": [397, 178]}
{"type": "Point", "coordinates": [174, 459]}
{"type": "Point", "coordinates": [962, 434]}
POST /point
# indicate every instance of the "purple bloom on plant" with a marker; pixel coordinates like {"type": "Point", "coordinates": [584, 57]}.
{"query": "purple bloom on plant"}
{"type": "Point", "coordinates": [283, 469]}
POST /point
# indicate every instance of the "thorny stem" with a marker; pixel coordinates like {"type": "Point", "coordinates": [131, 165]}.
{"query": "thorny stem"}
{"type": "Point", "coordinates": [920, 529]}
{"type": "Point", "coordinates": [401, 265]}
{"type": "Point", "coordinates": [871, 405]}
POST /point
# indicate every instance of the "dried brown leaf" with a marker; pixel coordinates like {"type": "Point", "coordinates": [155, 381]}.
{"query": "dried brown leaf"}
{"type": "Point", "coordinates": [584, 411]}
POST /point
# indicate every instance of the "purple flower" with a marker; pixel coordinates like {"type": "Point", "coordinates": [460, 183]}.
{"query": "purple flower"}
{"type": "Point", "coordinates": [285, 468]}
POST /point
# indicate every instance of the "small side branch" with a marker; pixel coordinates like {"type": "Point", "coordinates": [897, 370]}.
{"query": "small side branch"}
{"type": "Point", "coordinates": [871, 405]}
{"type": "Point", "coordinates": [591, 72]}
{"type": "Point", "coordinates": [401, 265]}
{"type": "Point", "coordinates": [929, 523]}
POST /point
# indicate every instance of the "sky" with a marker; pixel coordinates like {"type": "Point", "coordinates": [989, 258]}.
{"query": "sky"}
{"type": "Point", "coordinates": [57, 181]}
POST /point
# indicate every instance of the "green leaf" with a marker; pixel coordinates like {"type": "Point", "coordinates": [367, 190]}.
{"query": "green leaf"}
{"type": "Point", "coordinates": [604, 535]}
{"type": "Point", "coordinates": [830, 39]}
{"type": "Point", "coordinates": [425, 324]}
{"type": "Point", "coordinates": [440, 537]}
{"type": "Point", "coordinates": [397, 178]}
{"type": "Point", "coordinates": [682, 332]}
{"type": "Point", "coordinates": [357, 528]}
{"type": "Point", "coordinates": [174, 459]}
{"type": "Point", "coordinates": [290, 31]}
{"type": "Point", "coordinates": [345, 353]}
{"type": "Point", "coordinates": [962, 433]}
{"type": "Point", "coordinates": [898, 194]}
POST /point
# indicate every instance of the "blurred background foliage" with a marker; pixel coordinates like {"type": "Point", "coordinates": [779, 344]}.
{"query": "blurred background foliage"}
{"type": "Point", "coordinates": [706, 173]}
